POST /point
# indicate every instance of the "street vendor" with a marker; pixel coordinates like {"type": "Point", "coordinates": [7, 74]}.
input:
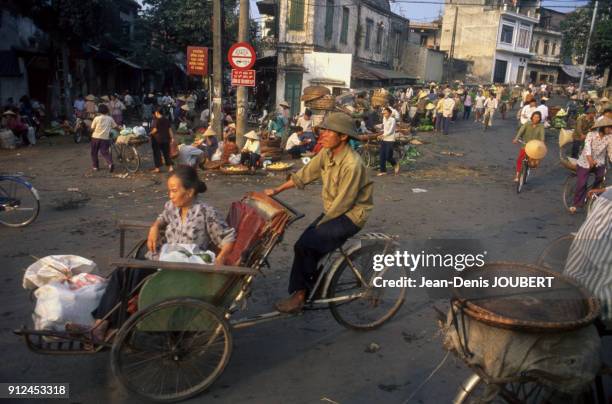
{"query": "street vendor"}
{"type": "Point", "coordinates": [347, 202]}
{"type": "Point", "coordinates": [297, 143]}
{"type": "Point", "coordinates": [533, 130]}
{"type": "Point", "coordinates": [207, 141]}
{"type": "Point", "coordinates": [597, 146]}
{"type": "Point", "coordinates": [250, 153]}
{"type": "Point", "coordinates": [186, 219]}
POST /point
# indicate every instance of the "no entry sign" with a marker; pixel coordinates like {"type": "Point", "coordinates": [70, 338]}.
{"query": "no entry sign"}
{"type": "Point", "coordinates": [241, 56]}
{"type": "Point", "coordinates": [243, 78]}
{"type": "Point", "coordinates": [197, 60]}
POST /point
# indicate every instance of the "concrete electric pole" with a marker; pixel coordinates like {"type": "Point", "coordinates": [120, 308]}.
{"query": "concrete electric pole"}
{"type": "Point", "coordinates": [586, 52]}
{"type": "Point", "coordinates": [242, 94]}
{"type": "Point", "coordinates": [217, 95]}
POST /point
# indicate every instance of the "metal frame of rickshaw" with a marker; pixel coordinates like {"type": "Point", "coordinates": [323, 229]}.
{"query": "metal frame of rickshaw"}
{"type": "Point", "coordinates": [323, 281]}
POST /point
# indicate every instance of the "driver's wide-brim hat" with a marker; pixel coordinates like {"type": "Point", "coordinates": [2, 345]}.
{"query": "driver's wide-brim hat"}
{"type": "Point", "coordinates": [341, 123]}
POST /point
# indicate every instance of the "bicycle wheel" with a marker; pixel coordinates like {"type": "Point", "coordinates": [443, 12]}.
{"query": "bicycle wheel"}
{"type": "Point", "coordinates": [366, 155]}
{"type": "Point", "coordinates": [19, 202]}
{"type": "Point", "coordinates": [365, 306]}
{"type": "Point", "coordinates": [474, 390]}
{"type": "Point", "coordinates": [569, 190]}
{"type": "Point", "coordinates": [130, 158]}
{"type": "Point", "coordinates": [172, 350]}
{"type": "Point", "coordinates": [554, 255]}
{"type": "Point", "coordinates": [522, 177]}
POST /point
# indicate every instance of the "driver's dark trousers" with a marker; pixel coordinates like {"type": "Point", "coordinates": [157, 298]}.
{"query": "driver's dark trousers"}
{"type": "Point", "coordinates": [313, 244]}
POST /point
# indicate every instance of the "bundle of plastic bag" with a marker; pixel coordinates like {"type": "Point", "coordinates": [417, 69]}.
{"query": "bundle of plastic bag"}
{"type": "Point", "coordinates": [186, 253]}
{"type": "Point", "coordinates": [57, 268]}
{"type": "Point", "coordinates": [58, 303]}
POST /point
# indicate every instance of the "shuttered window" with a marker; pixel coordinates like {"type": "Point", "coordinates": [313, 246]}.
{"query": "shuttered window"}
{"type": "Point", "coordinates": [329, 20]}
{"type": "Point", "coordinates": [345, 23]}
{"type": "Point", "coordinates": [296, 14]}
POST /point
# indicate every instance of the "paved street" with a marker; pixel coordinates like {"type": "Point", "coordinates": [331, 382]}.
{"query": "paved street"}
{"type": "Point", "coordinates": [310, 358]}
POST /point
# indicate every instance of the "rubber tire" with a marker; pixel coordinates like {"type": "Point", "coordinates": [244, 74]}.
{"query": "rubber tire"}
{"type": "Point", "coordinates": [31, 219]}
{"type": "Point", "coordinates": [569, 189]}
{"type": "Point", "coordinates": [124, 332]}
{"type": "Point", "coordinates": [331, 293]}
{"type": "Point", "coordinates": [522, 177]}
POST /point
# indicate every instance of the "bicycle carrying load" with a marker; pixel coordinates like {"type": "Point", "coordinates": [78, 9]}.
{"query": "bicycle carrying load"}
{"type": "Point", "coordinates": [544, 334]}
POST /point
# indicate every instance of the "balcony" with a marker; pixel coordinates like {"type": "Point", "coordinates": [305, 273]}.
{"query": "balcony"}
{"type": "Point", "coordinates": [546, 60]}
{"type": "Point", "coordinates": [506, 47]}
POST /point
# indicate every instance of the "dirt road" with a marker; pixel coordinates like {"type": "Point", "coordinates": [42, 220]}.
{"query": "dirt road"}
{"type": "Point", "coordinates": [470, 195]}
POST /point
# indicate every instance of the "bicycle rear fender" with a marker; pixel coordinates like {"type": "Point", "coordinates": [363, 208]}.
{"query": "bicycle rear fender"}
{"type": "Point", "coordinates": [24, 183]}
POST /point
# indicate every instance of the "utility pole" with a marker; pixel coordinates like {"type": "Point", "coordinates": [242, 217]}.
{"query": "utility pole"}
{"type": "Point", "coordinates": [217, 95]}
{"type": "Point", "coordinates": [242, 94]}
{"type": "Point", "coordinates": [586, 53]}
{"type": "Point", "coordinates": [451, 53]}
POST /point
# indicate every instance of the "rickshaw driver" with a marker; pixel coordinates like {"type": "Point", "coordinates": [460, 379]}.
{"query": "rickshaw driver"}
{"type": "Point", "coordinates": [347, 202]}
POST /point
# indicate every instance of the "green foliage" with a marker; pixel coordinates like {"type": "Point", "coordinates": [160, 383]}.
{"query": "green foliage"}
{"type": "Point", "coordinates": [575, 29]}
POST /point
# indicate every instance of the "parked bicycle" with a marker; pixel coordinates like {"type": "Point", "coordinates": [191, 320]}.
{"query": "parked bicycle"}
{"type": "Point", "coordinates": [19, 201]}
{"type": "Point", "coordinates": [126, 154]}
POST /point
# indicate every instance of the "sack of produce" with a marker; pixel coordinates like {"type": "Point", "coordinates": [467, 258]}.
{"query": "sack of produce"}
{"type": "Point", "coordinates": [186, 253]}
{"type": "Point", "coordinates": [56, 268]}
{"type": "Point", "coordinates": [58, 303]}
{"type": "Point", "coordinates": [7, 140]}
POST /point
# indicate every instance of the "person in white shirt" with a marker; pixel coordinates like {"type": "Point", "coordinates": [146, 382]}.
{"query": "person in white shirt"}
{"type": "Point", "coordinates": [100, 137]}
{"type": "Point", "coordinates": [409, 93]}
{"type": "Point", "coordinates": [79, 105]}
{"type": "Point", "coordinates": [128, 100]}
{"type": "Point", "coordinates": [305, 121]}
{"type": "Point", "coordinates": [543, 109]}
{"type": "Point", "coordinates": [296, 143]}
{"type": "Point", "coordinates": [448, 105]}
{"type": "Point", "coordinates": [387, 143]}
{"type": "Point", "coordinates": [205, 116]}
{"type": "Point", "coordinates": [527, 111]}
{"type": "Point", "coordinates": [479, 108]}
{"type": "Point", "coordinates": [250, 153]}
{"type": "Point", "coordinates": [394, 113]}
{"type": "Point", "coordinates": [490, 106]}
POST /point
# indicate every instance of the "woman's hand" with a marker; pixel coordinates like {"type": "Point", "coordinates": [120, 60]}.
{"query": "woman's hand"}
{"type": "Point", "coordinates": [270, 192]}
{"type": "Point", "coordinates": [152, 238]}
{"type": "Point", "coordinates": [515, 141]}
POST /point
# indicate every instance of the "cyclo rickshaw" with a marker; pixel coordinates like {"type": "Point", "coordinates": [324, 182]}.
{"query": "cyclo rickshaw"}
{"type": "Point", "coordinates": [179, 339]}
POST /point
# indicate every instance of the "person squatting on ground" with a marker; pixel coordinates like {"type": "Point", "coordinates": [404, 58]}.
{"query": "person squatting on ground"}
{"type": "Point", "coordinates": [347, 202]}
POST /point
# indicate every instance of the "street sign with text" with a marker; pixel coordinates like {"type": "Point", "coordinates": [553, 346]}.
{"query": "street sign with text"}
{"type": "Point", "coordinates": [243, 78]}
{"type": "Point", "coordinates": [197, 61]}
{"type": "Point", "coordinates": [241, 56]}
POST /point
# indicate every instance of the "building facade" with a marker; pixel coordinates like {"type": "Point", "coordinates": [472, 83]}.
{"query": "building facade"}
{"type": "Point", "coordinates": [425, 34]}
{"type": "Point", "coordinates": [545, 65]}
{"type": "Point", "coordinates": [367, 30]}
{"type": "Point", "coordinates": [494, 37]}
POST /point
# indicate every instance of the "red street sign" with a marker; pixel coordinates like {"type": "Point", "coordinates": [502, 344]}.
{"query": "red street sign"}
{"type": "Point", "coordinates": [241, 56]}
{"type": "Point", "coordinates": [244, 78]}
{"type": "Point", "coordinates": [197, 61]}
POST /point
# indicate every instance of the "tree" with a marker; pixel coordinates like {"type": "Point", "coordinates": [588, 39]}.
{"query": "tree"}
{"type": "Point", "coordinates": [575, 29]}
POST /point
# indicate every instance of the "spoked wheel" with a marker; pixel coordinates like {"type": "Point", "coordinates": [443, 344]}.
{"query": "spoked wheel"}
{"type": "Point", "coordinates": [19, 204]}
{"type": "Point", "coordinates": [128, 157]}
{"type": "Point", "coordinates": [362, 305]}
{"type": "Point", "coordinates": [569, 190]}
{"type": "Point", "coordinates": [554, 256]}
{"type": "Point", "coordinates": [474, 390]}
{"type": "Point", "coordinates": [522, 177]}
{"type": "Point", "coordinates": [78, 135]}
{"type": "Point", "coordinates": [172, 350]}
{"type": "Point", "coordinates": [366, 153]}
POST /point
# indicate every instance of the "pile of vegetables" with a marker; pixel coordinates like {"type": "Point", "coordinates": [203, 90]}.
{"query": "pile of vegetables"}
{"type": "Point", "coordinates": [425, 128]}
{"type": "Point", "coordinates": [559, 123]}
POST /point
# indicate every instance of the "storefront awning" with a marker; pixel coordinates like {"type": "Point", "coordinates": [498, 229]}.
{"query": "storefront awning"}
{"type": "Point", "coordinates": [370, 73]}
{"type": "Point", "coordinates": [572, 70]}
{"type": "Point", "coordinates": [127, 62]}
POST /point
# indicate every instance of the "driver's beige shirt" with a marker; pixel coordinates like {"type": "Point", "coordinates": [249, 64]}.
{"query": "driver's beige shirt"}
{"type": "Point", "coordinates": [347, 187]}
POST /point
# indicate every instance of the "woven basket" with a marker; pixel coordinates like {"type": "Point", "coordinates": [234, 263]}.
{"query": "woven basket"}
{"type": "Point", "coordinates": [379, 101]}
{"type": "Point", "coordinates": [270, 143]}
{"type": "Point", "coordinates": [319, 91]}
{"type": "Point", "coordinates": [224, 170]}
{"type": "Point", "coordinates": [562, 307]}
{"type": "Point", "coordinates": [327, 103]}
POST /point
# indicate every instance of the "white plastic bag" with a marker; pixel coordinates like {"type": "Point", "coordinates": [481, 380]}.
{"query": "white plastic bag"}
{"type": "Point", "coordinates": [217, 155]}
{"type": "Point", "coordinates": [57, 304]}
{"type": "Point", "coordinates": [56, 268]}
{"type": "Point", "coordinates": [186, 253]}
{"type": "Point", "coordinates": [234, 159]}
{"type": "Point", "coordinates": [31, 135]}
